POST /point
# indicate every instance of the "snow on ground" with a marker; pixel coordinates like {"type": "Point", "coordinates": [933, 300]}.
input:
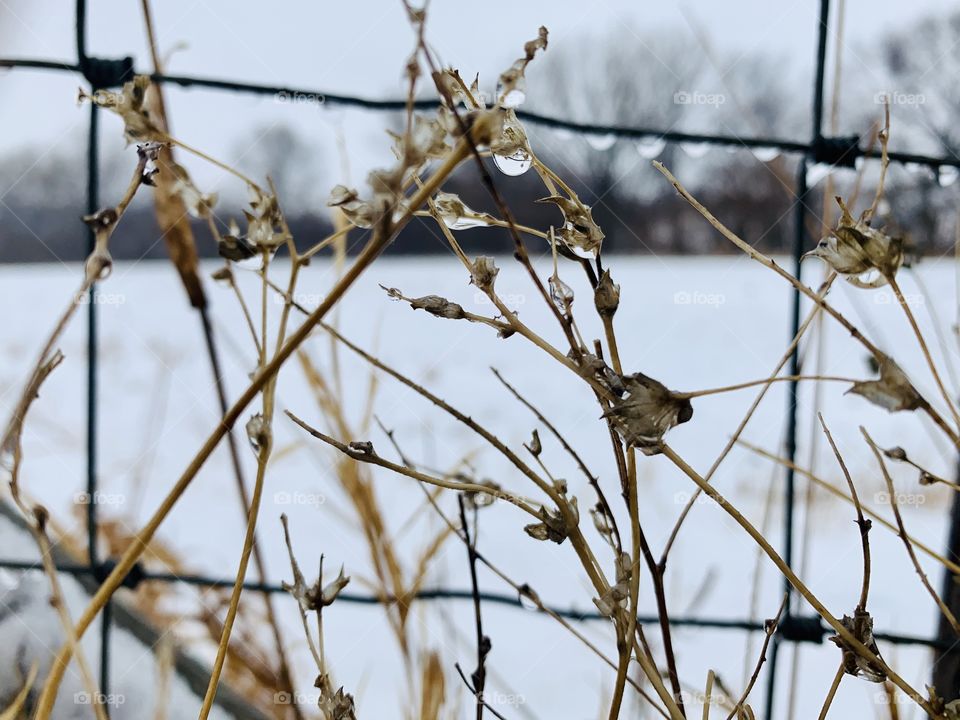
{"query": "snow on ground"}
{"type": "Point", "coordinates": [691, 323]}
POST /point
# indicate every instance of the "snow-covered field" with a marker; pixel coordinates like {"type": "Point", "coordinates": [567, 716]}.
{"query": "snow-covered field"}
{"type": "Point", "coordinates": [691, 323]}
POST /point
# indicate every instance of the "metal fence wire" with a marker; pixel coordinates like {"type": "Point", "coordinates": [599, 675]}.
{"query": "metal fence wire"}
{"type": "Point", "coordinates": [837, 152]}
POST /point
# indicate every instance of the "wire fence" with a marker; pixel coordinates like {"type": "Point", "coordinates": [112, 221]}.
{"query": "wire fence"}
{"type": "Point", "coordinates": [837, 152]}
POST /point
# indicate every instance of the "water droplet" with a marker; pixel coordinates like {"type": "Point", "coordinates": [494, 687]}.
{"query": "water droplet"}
{"type": "Point", "coordinates": [601, 142]}
{"type": "Point", "coordinates": [766, 154]}
{"type": "Point", "coordinates": [483, 499]}
{"type": "Point", "coordinates": [947, 175]}
{"type": "Point", "coordinates": [465, 222]}
{"type": "Point", "coordinates": [695, 150]}
{"type": "Point", "coordinates": [8, 458]}
{"type": "Point", "coordinates": [919, 169]}
{"type": "Point", "coordinates": [515, 96]}
{"type": "Point", "coordinates": [651, 148]}
{"type": "Point", "coordinates": [514, 164]}
{"type": "Point", "coordinates": [817, 172]}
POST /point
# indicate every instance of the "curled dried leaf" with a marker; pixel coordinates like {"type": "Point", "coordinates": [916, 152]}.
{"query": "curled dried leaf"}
{"type": "Point", "coordinates": [892, 391]}
{"type": "Point", "coordinates": [864, 256]}
{"type": "Point", "coordinates": [646, 410]}
{"type": "Point", "coordinates": [861, 627]}
{"type": "Point", "coordinates": [512, 86]}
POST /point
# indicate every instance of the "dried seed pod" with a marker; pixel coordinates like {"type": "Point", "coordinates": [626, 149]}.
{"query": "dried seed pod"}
{"type": "Point", "coordinates": [234, 246]}
{"type": "Point", "coordinates": [483, 273]}
{"type": "Point", "coordinates": [865, 257]}
{"type": "Point", "coordinates": [602, 521]}
{"type": "Point", "coordinates": [553, 527]}
{"type": "Point", "coordinates": [606, 296]}
{"type": "Point", "coordinates": [896, 453]}
{"type": "Point", "coordinates": [892, 391]}
{"type": "Point", "coordinates": [861, 627]}
{"type": "Point", "coordinates": [646, 411]}
{"type": "Point", "coordinates": [130, 106]}
{"type": "Point", "coordinates": [579, 231]}
{"type": "Point", "coordinates": [436, 305]}
{"type": "Point", "coordinates": [334, 705]}
{"type": "Point", "coordinates": [593, 367]}
{"type": "Point", "coordinates": [433, 304]}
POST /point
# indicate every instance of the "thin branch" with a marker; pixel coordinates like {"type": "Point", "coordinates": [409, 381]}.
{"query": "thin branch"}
{"type": "Point", "coordinates": [862, 522]}
{"type": "Point", "coordinates": [479, 676]}
{"type": "Point", "coordinates": [902, 532]}
{"type": "Point", "coordinates": [770, 627]}
{"type": "Point", "coordinates": [828, 701]}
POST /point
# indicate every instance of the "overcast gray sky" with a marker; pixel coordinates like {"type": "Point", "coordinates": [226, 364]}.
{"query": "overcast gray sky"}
{"type": "Point", "coordinates": [360, 47]}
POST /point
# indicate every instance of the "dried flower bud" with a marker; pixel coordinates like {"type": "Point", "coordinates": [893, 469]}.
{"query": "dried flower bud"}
{"type": "Point", "coordinates": [865, 257]}
{"type": "Point", "coordinates": [647, 410]}
{"type": "Point", "coordinates": [892, 391]}
{"type": "Point", "coordinates": [483, 273]}
{"type": "Point", "coordinates": [606, 296]}
{"type": "Point", "coordinates": [861, 627]}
